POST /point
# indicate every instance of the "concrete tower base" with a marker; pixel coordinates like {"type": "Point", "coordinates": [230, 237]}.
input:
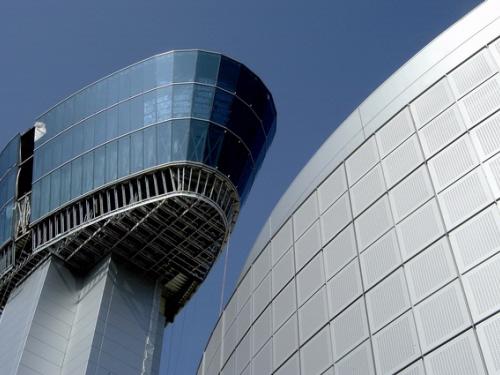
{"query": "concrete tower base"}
{"type": "Point", "coordinates": [106, 323]}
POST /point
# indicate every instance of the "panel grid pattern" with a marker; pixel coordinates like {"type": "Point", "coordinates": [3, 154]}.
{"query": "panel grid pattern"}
{"type": "Point", "coordinates": [403, 239]}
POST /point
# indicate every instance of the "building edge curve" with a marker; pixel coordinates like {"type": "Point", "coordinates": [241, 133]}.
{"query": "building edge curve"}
{"type": "Point", "coordinates": [292, 297]}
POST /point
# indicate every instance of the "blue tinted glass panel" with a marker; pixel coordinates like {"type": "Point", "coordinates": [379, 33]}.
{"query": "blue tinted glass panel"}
{"type": "Point", "coordinates": [164, 103]}
{"type": "Point", "coordinates": [197, 140]}
{"type": "Point", "coordinates": [45, 195]}
{"type": "Point", "coordinates": [99, 166]}
{"type": "Point", "coordinates": [55, 189]}
{"type": "Point", "coordinates": [77, 139]}
{"type": "Point", "coordinates": [123, 118]}
{"type": "Point", "coordinates": [207, 67]}
{"type": "Point", "coordinates": [184, 66]}
{"type": "Point", "coordinates": [229, 73]}
{"type": "Point", "coordinates": [55, 149]}
{"type": "Point", "coordinates": [100, 129]}
{"type": "Point", "coordinates": [67, 151]}
{"type": "Point", "coordinates": [35, 201]}
{"type": "Point", "coordinates": [88, 172]}
{"type": "Point", "coordinates": [76, 177]}
{"type": "Point", "coordinates": [124, 156]}
{"type": "Point", "coordinates": [213, 144]}
{"type": "Point", "coordinates": [183, 95]}
{"type": "Point", "coordinates": [137, 79]}
{"type": "Point", "coordinates": [137, 112]}
{"type": "Point", "coordinates": [88, 134]}
{"type": "Point", "coordinates": [223, 103]}
{"type": "Point", "coordinates": [164, 142]}
{"type": "Point", "coordinates": [150, 147]}
{"type": "Point", "coordinates": [164, 69]}
{"type": "Point", "coordinates": [69, 115]}
{"type": "Point", "coordinates": [203, 98]}
{"type": "Point", "coordinates": [124, 77]}
{"type": "Point", "coordinates": [150, 108]}
{"type": "Point", "coordinates": [111, 123]}
{"type": "Point", "coordinates": [65, 184]}
{"type": "Point", "coordinates": [180, 138]}
{"type": "Point", "coordinates": [149, 74]}
{"type": "Point", "coordinates": [251, 90]}
{"type": "Point", "coordinates": [113, 90]}
{"type": "Point", "coordinates": [100, 94]}
{"type": "Point", "coordinates": [112, 161]}
{"type": "Point", "coordinates": [137, 152]}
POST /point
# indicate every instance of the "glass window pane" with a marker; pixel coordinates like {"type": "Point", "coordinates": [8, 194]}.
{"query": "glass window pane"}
{"type": "Point", "coordinates": [213, 146]}
{"type": "Point", "coordinates": [76, 178]}
{"type": "Point", "coordinates": [150, 147]}
{"type": "Point", "coordinates": [111, 123]}
{"type": "Point", "coordinates": [221, 112]}
{"type": "Point", "coordinates": [88, 135]}
{"type": "Point", "coordinates": [88, 173]}
{"type": "Point", "coordinates": [150, 108]}
{"type": "Point", "coordinates": [197, 140]}
{"type": "Point", "coordinates": [124, 156]}
{"type": "Point", "coordinates": [57, 147]}
{"type": "Point", "coordinates": [100, 94]}
{"type": "Point", "coordinates": [45, 195]}
{"type": "Point", "coordinates": [229, 72]}
{"type": "Point", "coordinates": [164, 142]}
{"type": "Point", "coordinates": [164, 103]}
{"type": "Point", "coordinates": [124, 77]}
{"type": "Point", "coordinates": [69, 116]}
{"type": "Point", "coordinates": [124, 118]}
{"type": "Point", "coordinates": [65, 183]}
{"type": "Point", "coordinates": [99, 129]}
{"type": "Point", "coordinates": [149, 74]}
{"type": "Point", "coordinates": [203, 98]}
{"type": "Point", "coordinates": [164, 69]}
{"type": "Point", "coordinates": [111, 161]}
{"type": "Point", "coordinates": [184, 66]}
{"type": "Point", "coordinates": [136, 79]}
{"type": "Point", "coordinates": [136, 113]}
{"type": "Point", "coordinates": [207, 67]}
{"type": "Point", "coordinates": [183, 95]}
{"type": "Point", "coordinates": [77, 139]}
{"type": "Point", "coordinates": [137, 152]}
{"type": "Point", "coordinates": [113, 90]}
{"type": "Point", "coordinates": [99, 166]}
{"type": "Point", "coordinates": [35, 201]}
{"type": "Point", "coordinates": [180, 138]}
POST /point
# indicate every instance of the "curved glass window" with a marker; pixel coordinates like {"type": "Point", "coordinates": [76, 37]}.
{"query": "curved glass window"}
{"type": "Point", "coordinates": [180, 106]}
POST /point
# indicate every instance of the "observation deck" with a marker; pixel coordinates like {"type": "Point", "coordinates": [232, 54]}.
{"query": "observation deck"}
{"type": "Point", "coordinates": [150, 164]}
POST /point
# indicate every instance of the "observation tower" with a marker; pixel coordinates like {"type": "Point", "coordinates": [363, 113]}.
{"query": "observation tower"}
{"type": "Point", "coordinates": [115, 205]}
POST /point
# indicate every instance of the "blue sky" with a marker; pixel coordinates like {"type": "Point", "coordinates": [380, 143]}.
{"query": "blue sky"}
{"type": "Point", "coordinates": [320, 59]}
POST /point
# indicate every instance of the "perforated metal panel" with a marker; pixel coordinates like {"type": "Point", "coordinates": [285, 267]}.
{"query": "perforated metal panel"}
{"type": "Point", "coordinates": [379, 259]}
{"type": "Point", "coordinates": [344, 288]}
{"type": "Point", "coordinates": [339, 251]}
{"type": "Point", "coordinates": [396, 345]}
{"type": "Point", "coordinates": [411, 193]}
{"type": "Point", "coordinates": [402, 161]}
{"type": "Point", "coordinates": [284, 305]}
{"type": "Point", "coordinates": [282, 241]}
{"type": "Point", "coordinates": [441, 316]}
{"type": "Point", "coordinates": [316, 355]}
{"type": "Point", "coordinates": [489, 339]}
{"type": "Point", "coordinates": [453, 162]}
{"type": "Point", "coordinates": [310, 279]}
{"type": "Point", "coordinates": [387, 300]}
{"type": "Point", "coordinates": [464, 198]}
{"type": "Point", "coordinates": [415, 369]}
{"type": "Point", "coordinates": [432, 102]}
{"type": "Point", "coordinates": [430, 270]}
{"type": "Point", "coordinates": [262, 330]}
{"type": "Point", "coordinates": [305, 215]}
{"type": "Point", "coordinates": [372, 223]}
{"type": "Point", "coordinates": [332, 188]}
{"type": "Point", "coordinates": [307, 245]}
{"type": "Point", "coordinates": [481, 102]}
{"type": "Point", "coordinates": [441, 131]}
{"type": "Point", "coordinates": [361, 161]}
{"type": "Point", "coordinates": [283, 271]}
{"type": "Point", "coordinates": [486, 136]}
{"type": "Point", "coordinates": [394, 132]}
{"type": "Point", "coordinates": [477, 239]}
{"type": "Point", "coordinates": [359, 361]}
{"type": "Point", "coordinates": [420, 229]}
{"type": "Point", "coordinates": [262, 296]}
{"type": "Point", "coordinates": [481, 287]}
{"type": "Point", "coordinates": [285, 341]}
{"type": "Point", "coordinates": [472, 72]}
{"type": "Point", "coordinates": [349, 328]}
{"type": "Point", "coordinates": [459, 357]}
{"type": "Point", "coordinates": [335, 218]}
{"type": "Point", "coordinates": [367, 189]}
{"type": "Point", "coordinates": [313, 315]}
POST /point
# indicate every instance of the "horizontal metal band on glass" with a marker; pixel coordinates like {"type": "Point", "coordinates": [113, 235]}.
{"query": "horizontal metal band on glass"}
{"type": "Point", "coordinates": [98, 205]}
{"type": "Point", "coordinates": [144, 93]}
{"type": "Point", "coordinates": [117, 138]}
{"type": "Point", "coordinates": [211, 152]}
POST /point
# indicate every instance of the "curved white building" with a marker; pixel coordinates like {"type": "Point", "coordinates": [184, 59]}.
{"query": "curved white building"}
{"type": "Point", "coordinates": [383, 255]}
